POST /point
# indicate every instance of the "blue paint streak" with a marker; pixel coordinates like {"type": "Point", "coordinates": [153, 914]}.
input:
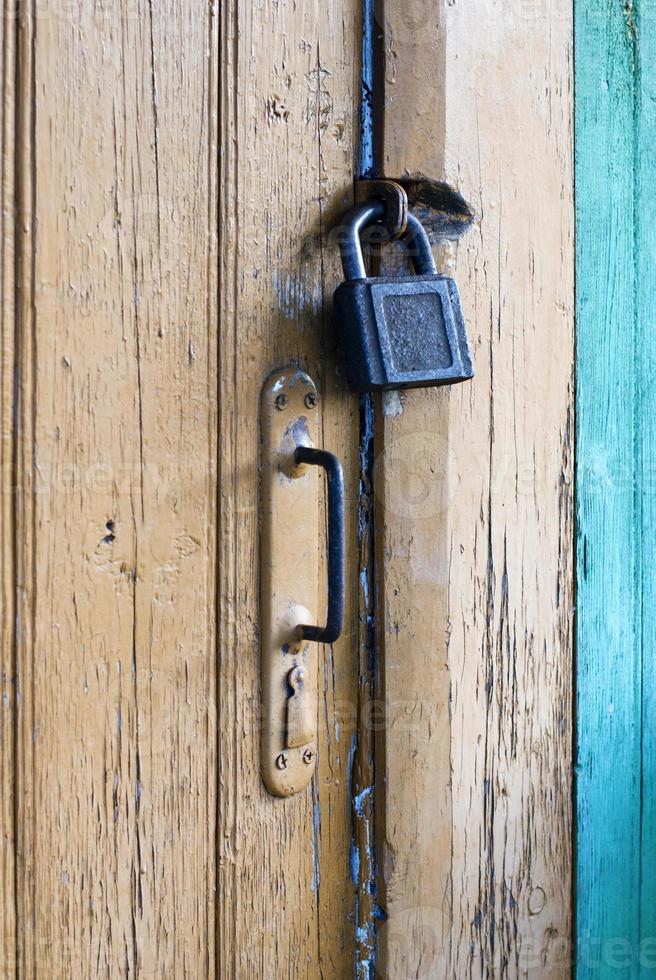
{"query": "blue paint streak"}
{"type": "Point", "coordinates": [364, 584]}
{"type": "Point", "coordinates": [359, 800]}
{"type": "Point", "coordinates": [366, 161]}
{"type": "Point", "coordinates": [365, 931]}
{"type": "Point", "coordinates": [354, 863]}
{"type": "Point", "coordinates": [316, 840]}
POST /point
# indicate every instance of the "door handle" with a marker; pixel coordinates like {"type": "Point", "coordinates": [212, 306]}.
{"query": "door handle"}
{"type": "Point", "coordinates": [290, 512]}
{"type": "Point", "coordinates": [336, 562]}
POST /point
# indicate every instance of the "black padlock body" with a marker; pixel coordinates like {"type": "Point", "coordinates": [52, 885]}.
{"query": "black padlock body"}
{"type": "Point", "coordinates": [402, 332]}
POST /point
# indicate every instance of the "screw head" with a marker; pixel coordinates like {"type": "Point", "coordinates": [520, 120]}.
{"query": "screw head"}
{"type": "Point", "coordinates": [281, 761]}
{"type": "Point", "coordinates": [308, 756]}
{"type": "Point", "coordinates": [311, 399]}
{"type": "Point", "coordinates": [281, 401]}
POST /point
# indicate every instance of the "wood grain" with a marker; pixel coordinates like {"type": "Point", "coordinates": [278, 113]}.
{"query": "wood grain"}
{"type": "Point", "coordinates": [117, 514]}
{"type": "Point", "coordinates": [645, 34]}
{"type": "Point", "coordinates": [7, 540]}
{"type": "Point", "coordinates": [616, 631]}
{"type": "Point", "coordinates": [150, 308]}
{"type": "Point", "coordinates": [24, 486]}
{"type": "Point", "coordinates": [608, 654]}
{"type": "Point", "coordinates": [474, 491]}
{"type": "Point", "coordinates": [288, 97]}
{"type": "Point", "coordinates": [178, 168]}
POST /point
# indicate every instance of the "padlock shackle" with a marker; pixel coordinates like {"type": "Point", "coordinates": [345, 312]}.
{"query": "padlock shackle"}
{"type": "Point", "coordinates": [359, 218]}
{"type": "Point", "coordinates": [350, 247]}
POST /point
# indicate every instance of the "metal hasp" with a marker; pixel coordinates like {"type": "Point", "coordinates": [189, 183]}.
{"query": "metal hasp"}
{"type": "Point", "coordinates": [393, 197]}
{"type": "Point", "coordinates": [398, 331]}
{"type": "Point", "coordinates": [290, 517]}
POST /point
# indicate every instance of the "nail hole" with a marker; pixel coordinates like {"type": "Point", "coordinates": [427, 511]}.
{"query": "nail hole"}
{"type": "Point", "coordinates": [110, 536]}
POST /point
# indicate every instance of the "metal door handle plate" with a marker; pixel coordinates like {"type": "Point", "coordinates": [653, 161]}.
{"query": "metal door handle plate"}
{"type": "Point", "coordinates": [289, 576]}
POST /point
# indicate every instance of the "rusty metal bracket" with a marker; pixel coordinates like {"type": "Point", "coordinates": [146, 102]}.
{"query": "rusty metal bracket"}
{"type": "Point", "coordinates": [442, 210]}
{"type": "Point", "coordinates": [289, 581]}
{"type": "Point", "coordinates": [395, 200]}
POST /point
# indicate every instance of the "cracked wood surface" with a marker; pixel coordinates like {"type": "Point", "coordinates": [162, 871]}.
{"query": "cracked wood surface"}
{"type": "Point", "coordinates": [7, 538]}
{"type": "Point", "coordinates": [150, 309]}
{"type": "Point", "coordinates": [474, 495]}
{"type": "Point", "coordinates": [146, 843]}
{"type": "Point", "coordinates": [616, 533]}
{"type": "Point", "coordinates": [289, 98]}
{"type": "Point", "coordinates": [116, 490]}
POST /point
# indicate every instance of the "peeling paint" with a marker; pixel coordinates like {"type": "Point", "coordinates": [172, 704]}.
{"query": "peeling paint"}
{"type": "Point", "coordinates": [359, 800]}
{"type": "Point", "coordinates": [391, 404]}
{"type": "Point", "coordinates": [315, 883]}
{"type": "Point", "coordinates": [297, 295]}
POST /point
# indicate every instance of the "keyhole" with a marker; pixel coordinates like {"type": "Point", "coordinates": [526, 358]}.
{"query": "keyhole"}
{"type": "Point", "coordinates": [300, 724]}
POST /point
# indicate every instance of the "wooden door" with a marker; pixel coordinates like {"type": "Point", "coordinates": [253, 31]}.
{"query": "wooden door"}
{"type": "Point", "coordinates": [171, 175]}
{"type": "Point", "coordinates": [174, 191]}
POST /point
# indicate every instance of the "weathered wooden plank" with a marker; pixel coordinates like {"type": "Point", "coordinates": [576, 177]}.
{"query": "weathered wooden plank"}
{"type": "Point", "coordinates": [116, 494]}
{"type": "Point", "coordinates": [608, 666]}
{"type": "Point", "coordinates": [474, 492]}
{"type": "Point", "coordinates": [24, 487]}
{"type": "Point", "coordinates": [288, 76]}
{"type": "Point", "coordinates": [645, 33]}
{"type": "Point", "coordinates": [616, 631]}
{"type": "Point", "coordinates": [7, 450]}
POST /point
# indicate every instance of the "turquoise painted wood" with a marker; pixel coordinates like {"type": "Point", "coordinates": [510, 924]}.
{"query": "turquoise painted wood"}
{"type": "Point", "coordinates": [616, 480]}
{"type": "Point", "coordinates": [646, 312]}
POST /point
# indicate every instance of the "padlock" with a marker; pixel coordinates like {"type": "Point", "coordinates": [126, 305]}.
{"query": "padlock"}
{"type": "Point", "coordinates": [398, 331]}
